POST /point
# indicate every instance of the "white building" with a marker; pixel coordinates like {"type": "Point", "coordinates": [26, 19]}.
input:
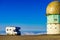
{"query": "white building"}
{"type": "Point", "coordinates": [13, 30]}
{"type": "Point", "coordinates": [53, 18]}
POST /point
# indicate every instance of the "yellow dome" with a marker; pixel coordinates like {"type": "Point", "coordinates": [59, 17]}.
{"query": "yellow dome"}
{"type": "Point", "coordinates": [53, 8]}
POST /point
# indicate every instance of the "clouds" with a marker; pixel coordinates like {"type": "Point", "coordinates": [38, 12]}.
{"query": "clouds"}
{"type": "Point", "coordinates": [27, 33]}
{"type": "Point", "coordinates": [33, 28]}
{"type": "Point", "coordinates": [33, 33]}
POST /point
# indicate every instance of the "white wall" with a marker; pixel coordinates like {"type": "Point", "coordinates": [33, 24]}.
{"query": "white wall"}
{"type": "Point", "coordinates": [53, 28]}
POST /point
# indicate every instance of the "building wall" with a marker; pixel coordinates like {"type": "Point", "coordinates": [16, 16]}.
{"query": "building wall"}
{"type": "Point", "coordinates": [53, 28]}
{"type": "Point", "coordinates": [53, 24]}
{"type": "Point", "coordinates": [53, 19]}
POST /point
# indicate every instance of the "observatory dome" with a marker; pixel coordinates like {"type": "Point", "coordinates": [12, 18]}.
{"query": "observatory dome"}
{"type": "Point", "coordinates": [53, 8]}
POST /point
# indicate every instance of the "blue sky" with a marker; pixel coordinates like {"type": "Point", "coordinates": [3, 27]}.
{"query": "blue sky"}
{"type": "Point", "coordinates": [30, 15]}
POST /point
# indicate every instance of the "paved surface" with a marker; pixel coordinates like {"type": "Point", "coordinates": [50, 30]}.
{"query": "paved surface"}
{"type": "Point", "coordinates": [37, 37]}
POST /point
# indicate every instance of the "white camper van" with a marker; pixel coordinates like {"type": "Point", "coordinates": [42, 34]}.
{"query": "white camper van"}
{"type": "Point", "coordinates": [11, 30]}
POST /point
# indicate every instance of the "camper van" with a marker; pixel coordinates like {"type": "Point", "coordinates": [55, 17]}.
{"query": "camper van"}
{"type": "Point", "coordinates": [11, 30]}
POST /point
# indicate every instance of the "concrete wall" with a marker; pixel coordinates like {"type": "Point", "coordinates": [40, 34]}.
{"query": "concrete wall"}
{"type": "Point", "coordinates": [53, 28]}
{"type": "Point", "coordinates": [53, 19]}
{"type": "Point", "coordinates": [53, 24]}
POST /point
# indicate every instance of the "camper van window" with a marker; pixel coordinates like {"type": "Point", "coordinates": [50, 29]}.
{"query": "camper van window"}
{"type": "Point", "coordinates": [10, 29]}
{"type": "Point", "coordinates": [7, 29]}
